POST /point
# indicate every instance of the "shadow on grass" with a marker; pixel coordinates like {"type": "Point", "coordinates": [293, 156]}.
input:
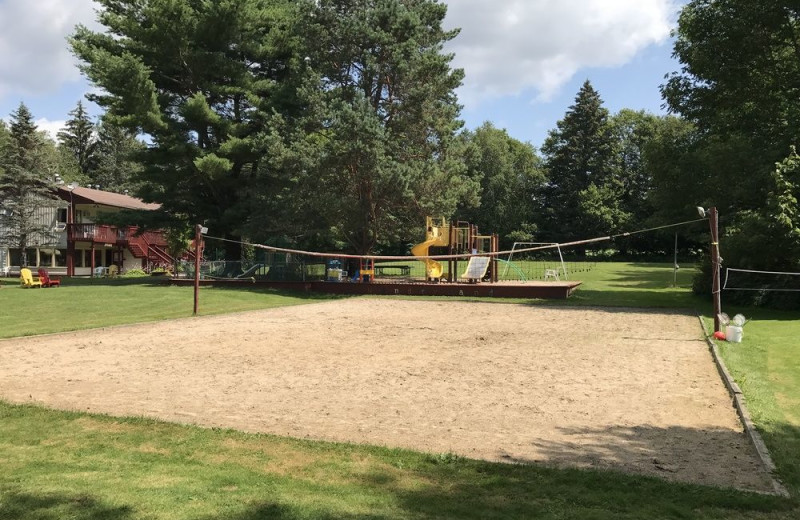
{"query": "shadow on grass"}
{"type": "Point", "coordinates": [783, 441]}
{"type": "Point", "coordinates": [363, 482]}
{"type": "Point", "coordinates": [451, 487]}
{"type": "Point", "coordinates": [465, 489]}
{"type": "Point", "coordinates": [275, 511]}
{"type": "Point", "coordinates": [149, 281]}
{"type": "Point", "coordinates": [54, 506]}
{"type": "Point", "coordinates": [641, 279]}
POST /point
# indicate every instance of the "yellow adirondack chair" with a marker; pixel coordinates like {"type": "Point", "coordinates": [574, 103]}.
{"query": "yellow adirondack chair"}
{"type": "Point", "coordinates": [26, 278]}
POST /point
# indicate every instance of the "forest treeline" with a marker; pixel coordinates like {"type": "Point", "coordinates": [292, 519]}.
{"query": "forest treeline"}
{"type": "Point", "coordinates": [334, 125]}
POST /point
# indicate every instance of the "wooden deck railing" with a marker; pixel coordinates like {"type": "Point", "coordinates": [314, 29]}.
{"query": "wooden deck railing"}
{"type": "Point", "coordinates": [92, 233]}
{"type": "Point", "coordinates": [101, 233]}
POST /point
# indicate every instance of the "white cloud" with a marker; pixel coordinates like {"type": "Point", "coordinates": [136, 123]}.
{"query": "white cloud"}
{"type": "Point", "coordinates": [51, 127]}
{"type": "Point", "coordinates": [510, 46]}
{"type": "Point", "coordinates": [35, 55]}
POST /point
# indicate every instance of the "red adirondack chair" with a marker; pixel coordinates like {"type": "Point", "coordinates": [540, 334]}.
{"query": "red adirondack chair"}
{"type": "Point", "coordinates": [44, 277]}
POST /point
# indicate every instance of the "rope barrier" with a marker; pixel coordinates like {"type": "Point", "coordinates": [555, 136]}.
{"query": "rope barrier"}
{"type": "Point", "coordinates": [451, 257]}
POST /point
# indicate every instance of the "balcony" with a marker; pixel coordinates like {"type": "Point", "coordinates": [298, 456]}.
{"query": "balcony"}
{"type": "Point", "coordinates": [96, 233]}
{"type": "Point", "coordinates": [123, 236]}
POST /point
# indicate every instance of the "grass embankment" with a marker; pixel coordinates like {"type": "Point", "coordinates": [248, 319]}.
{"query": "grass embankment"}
{"type": "Point", "coordinates": [69, 465]}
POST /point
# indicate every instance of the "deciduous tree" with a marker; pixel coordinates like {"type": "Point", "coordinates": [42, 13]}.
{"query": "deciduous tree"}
{"type": "Point", "coordinates": [737, 84]}
{"type": "Point", "coordinates": [509, 173]}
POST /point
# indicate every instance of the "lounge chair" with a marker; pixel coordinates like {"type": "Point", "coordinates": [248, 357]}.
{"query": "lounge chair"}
{"type": "Point", "coordinates": [26, 278]}
{"type": "Point", "coordinates": [44, 278]}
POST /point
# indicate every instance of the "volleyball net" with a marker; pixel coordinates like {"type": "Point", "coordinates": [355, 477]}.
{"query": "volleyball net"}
{"type": "Point", "coordinates": [525, 261]}
{"type": "Point", "coordinates": [760, 281]}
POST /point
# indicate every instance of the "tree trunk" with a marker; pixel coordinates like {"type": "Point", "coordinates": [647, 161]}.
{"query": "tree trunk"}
{"type": "Point", "coordinates": [233, 250]}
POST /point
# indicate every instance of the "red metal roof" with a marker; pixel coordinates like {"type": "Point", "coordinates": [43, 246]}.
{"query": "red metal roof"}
{"type": "Point", "coordinates": [105, 198]}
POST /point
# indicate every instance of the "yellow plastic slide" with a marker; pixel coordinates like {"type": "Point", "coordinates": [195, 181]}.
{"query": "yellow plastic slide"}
{"type": "Point", "coordinates": [433, 268]}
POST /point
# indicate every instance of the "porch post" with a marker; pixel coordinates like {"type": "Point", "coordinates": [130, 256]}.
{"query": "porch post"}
{"type": "Point", "coordinates": [70, 241]}
{"type": "Point", "coordinates": [92, 253]}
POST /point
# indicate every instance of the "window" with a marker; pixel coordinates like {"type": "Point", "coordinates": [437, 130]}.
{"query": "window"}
{"type": "Point", "coordinates": [45, 257]}
{"type": "Point", "coordinates": [61, 257]}
{"type": "Point", "coordinates": [62, 215]}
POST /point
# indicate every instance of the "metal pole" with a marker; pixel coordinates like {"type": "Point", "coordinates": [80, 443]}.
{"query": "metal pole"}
{"type": "Point", "coordinates": [713, 222]}
{"type": "Point", "coordinates": [675, 264]}
{"type": "Point", "coordinates": [197, 239]}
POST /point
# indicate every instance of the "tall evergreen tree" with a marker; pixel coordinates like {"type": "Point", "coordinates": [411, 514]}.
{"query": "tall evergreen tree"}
{"type": "Point", "coordinates": [204, 80]}
{"type": "Point", "coordinates": [582, 198]}
{"type": "Point", "coordinates": [263, 114]}
{"type": "Point", "coordinates": [5, 140]}
{"type": "Point", "coordinates": [26, 186]}
{"type": "Point", "coordinates": [384, 120]}
{"type": "Point", "coordinates": [78, 137]}
{"type": "Point", "coordinates": [117, 155]}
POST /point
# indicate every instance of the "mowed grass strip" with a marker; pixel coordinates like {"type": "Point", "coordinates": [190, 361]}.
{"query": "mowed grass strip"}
{"type": "Point", "coordinates": [766, 365]}
{"type": "Point", "coordinates": [70, 465]}
{"type": "Point", "coordinates": [81, 304]}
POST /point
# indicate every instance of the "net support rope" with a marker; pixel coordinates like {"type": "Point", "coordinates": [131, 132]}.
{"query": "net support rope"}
{"type": "Point", "coordinates": [450, 257]}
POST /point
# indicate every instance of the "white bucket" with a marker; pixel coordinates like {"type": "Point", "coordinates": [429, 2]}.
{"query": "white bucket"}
{"type": "Point", "coordinates": [733, 334]}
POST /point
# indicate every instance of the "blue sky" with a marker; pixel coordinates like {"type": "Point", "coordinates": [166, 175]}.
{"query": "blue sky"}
{"type": "Point", "coordinates": [634, 85]}
{"type": "Point", "coordinates": [524, 59]}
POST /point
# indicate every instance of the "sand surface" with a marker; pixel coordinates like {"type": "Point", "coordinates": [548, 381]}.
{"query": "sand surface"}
{"type": "Point", "coordinates": [629, 390]}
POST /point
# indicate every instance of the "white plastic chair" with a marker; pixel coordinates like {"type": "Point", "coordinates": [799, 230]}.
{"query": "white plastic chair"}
{"type": "Point", "coordinates": [551, 273]}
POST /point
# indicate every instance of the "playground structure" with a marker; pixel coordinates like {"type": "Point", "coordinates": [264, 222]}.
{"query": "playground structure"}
{"type": "Point", "coordinates": [460, 238]}
{"type": "Point", "coordinates": [452, 260]}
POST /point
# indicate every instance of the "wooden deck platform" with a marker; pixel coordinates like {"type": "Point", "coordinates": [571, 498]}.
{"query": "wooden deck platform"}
{"type": "Point", "coordinates": [543, 290]}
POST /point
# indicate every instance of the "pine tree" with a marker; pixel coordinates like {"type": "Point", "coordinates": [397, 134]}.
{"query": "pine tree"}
{"type": "Point", "coordinates": [78, 137]}
{"type": "Point", "coordinates": [26, 187]}
{"type": "Point", "coordinates": [582, 196]}
{"type": "Point", "coordinates": [388, 113]}
{"type": "Point", "coordinates": [204, 80]}
{"type": "Point", "coordinates": [116, 163]}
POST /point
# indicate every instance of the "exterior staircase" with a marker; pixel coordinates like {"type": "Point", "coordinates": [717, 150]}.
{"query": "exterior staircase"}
{"type": "Point", "coordinates": [151, 246]}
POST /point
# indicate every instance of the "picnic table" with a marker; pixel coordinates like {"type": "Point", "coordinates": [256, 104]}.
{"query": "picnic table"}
{"type": "Point", "coordinates": [394, 270]}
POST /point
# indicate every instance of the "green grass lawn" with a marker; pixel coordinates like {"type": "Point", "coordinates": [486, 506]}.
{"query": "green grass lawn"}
{"type": "Point", "coordinates": [66, 465]}
{"type": "Point", "coordinates": [57, 465]}
{"type": "Point", "coordinates": [626, 284]}
{"type": "Point", "coordinates": [83, 303]}
{"type": "Point", "coordinates": [766, 365]}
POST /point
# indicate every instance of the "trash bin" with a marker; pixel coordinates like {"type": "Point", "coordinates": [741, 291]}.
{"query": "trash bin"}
{"type": "Point", "coordinates": [333, 271]}
{"type": "Point", "coordinates": [734, 333]}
